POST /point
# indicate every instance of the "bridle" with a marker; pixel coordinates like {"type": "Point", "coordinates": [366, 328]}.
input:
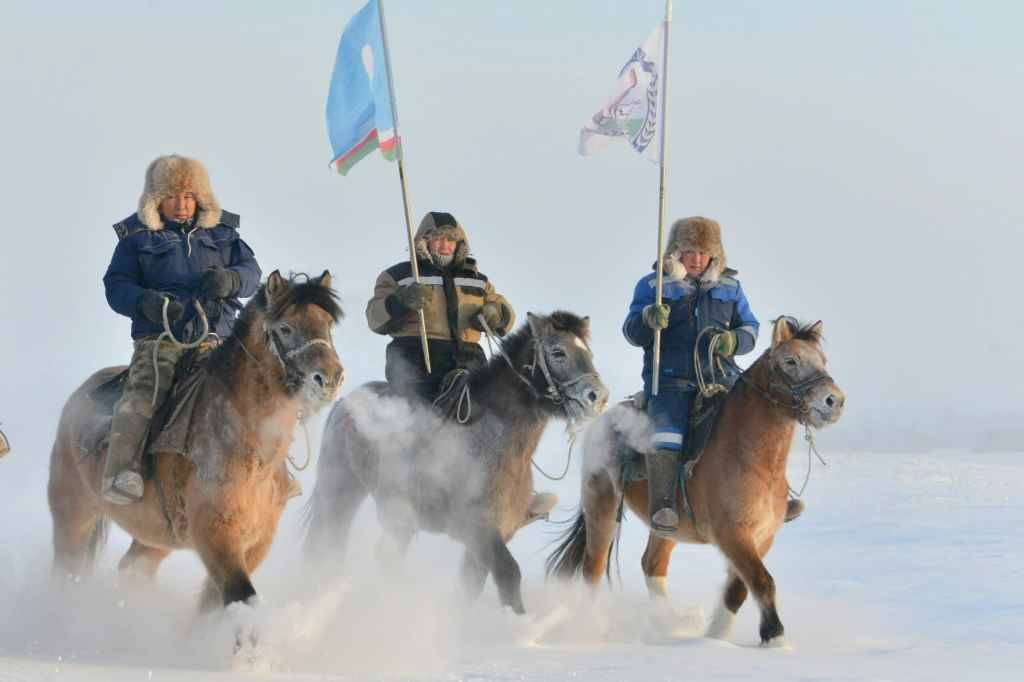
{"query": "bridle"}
{"type": "Point", "coordinates": [557, 391]}
{"type": "Point", "coordinates": [784, 393]}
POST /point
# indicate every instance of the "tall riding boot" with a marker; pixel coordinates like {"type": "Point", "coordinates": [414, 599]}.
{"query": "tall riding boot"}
{"type": "Point", "coordinates": [122, 477]}
{"type": "Point", "coordinates": [662, 481]}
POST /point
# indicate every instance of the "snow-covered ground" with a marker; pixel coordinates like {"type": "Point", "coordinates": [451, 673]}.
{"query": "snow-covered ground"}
{"type": "Point", "coordinates": [904, 567]}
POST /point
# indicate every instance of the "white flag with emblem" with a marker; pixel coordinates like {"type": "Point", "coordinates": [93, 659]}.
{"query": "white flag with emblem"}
{"type": "Point", "coordinates": [634, 111]}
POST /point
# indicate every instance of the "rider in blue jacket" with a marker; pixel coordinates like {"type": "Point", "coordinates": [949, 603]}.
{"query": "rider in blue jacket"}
{"type": "Point", "coordinates": [700, 298]}
{"type": "Point", "coordinates": [179, 248]}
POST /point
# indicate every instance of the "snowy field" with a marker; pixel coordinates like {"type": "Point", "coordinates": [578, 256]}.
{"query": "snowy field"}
{"type": "Point", "coordinates": [904, 567]}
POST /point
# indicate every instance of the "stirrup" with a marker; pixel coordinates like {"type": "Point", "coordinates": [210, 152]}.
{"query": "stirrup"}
{"type": "Point", "coordinates": [126, 487]}
{"type": "Point", "coordinates": [294, 487]}
{"type": "Point", "coordinates": [665, 522]}
{"type": "Point", "coordinates": [794, 508]}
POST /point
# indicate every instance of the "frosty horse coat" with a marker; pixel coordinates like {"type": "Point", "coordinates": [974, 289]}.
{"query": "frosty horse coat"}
{"type": "Point", "coordinates": [472, 481]}
{"type": "Point", "coordinates": [738, 490]}
{"type": "Point", "coordinates": [224, 501]}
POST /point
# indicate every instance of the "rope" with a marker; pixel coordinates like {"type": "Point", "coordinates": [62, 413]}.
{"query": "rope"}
{"type": "Point", "coordinates": [455, 381]}
{"type": "Point", "coordinates": [708, 389]}
{"type": "Point", "coordinates": [568, 461]}
{"type": "Point", "coordinates": [169, 335]}
{"type": "Point", "coordinates": [811, 447]}
{"type": "Point", "coordinates": [309, 448]}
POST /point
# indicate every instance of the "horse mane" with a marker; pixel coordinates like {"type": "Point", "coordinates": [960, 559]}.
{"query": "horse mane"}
{"type": "Point", "coordinates": [224, 359]}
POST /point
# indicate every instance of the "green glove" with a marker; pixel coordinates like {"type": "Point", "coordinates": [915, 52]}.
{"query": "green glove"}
{"type": "Point", "coordinates": [492, 314]}
{"type": "Point", "coordinates": [656, 316]}
{"type": "Point", "coordinates": [726, 345]}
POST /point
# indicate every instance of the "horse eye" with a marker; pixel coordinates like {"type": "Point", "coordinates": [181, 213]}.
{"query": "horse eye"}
{"type": "Point", "coordinates": [286, 329]}
{"type": "Point", "coordinates": [557, 353]}
{"type": "Point", "coordinates": [791, 362]}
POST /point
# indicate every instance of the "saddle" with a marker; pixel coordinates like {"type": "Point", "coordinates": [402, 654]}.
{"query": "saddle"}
{"type": "Point", "coordinates": [702, 422]}
{"type": "Point", "coordinates": [170, 427]}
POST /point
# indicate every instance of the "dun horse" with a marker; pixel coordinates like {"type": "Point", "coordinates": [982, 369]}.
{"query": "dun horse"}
{"type": "Point", "coordinates": [224, 501]}
{"type": "Point", "coordinates": [472, 481]}
{"type": "Point", "coordinates": [738, 489]}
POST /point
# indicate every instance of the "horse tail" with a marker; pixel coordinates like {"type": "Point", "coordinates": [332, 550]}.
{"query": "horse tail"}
{"type": "Point", "coordinates": [566, 561]}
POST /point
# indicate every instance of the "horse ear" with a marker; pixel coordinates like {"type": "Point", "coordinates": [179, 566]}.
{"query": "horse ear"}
{"type": "Point", "coordinates": [325, 279]}
{"type": "Point", "coordinates": [783, 331]}
{"type": "Point", "coordinates": [537, 324]}
{"type": "Point", "coordinates": [276, 284]}
{"type": "Point", "coordinates": [817, 330]}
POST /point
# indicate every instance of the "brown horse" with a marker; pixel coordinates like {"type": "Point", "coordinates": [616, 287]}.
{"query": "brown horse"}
{"type": "Point", "coordinates": [738, 489]}
{"type": "Point", "coordinates": [471, 481]}
{"type": "Point", "coordinates": [224, 501]}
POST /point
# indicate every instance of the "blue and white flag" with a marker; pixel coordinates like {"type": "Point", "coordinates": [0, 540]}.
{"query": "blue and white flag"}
{"type": "Point", "coordinates": [634, 111]}
{"type": "Point", "coordinates": [360, 114]}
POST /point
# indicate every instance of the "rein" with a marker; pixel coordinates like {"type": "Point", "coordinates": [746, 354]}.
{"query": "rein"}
{"type": "Point", "coordinates": [169, 335]}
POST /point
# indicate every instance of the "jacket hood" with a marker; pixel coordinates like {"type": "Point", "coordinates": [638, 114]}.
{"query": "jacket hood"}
{"type": "Point", "coordinates": [438, 222]}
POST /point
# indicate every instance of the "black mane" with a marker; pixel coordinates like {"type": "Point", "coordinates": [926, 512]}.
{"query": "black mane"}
{"type": "Point", "coordinates": [223, 360]}
{"type": "Point", "coordinates": [806, 331]}
{"type": "Point", "coordinates": [561, 320]}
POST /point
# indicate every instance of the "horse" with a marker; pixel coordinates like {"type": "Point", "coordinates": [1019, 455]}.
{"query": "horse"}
{"type": "Point", "coordinates": [468, 478]}
{"type": "Point", "coordinates": [225, 499]}
{"type": "Point", "coordinates": [737, 492]}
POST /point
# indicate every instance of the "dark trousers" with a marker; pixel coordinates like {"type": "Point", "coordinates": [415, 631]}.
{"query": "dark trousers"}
{"type": "Point", "coordinates": [404, 368]}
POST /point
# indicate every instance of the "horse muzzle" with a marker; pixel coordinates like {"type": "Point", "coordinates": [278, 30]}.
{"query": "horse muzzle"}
{"type": "Point", "coordinates": [825, 405]}
{"type": "Point", "coordinates": [587, 399]}
{"type": "Point", "coordinates": [322, 381]}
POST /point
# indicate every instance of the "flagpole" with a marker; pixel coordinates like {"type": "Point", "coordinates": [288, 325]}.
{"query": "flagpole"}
{"type": "Point", "coordinates": [661, 190]}
{"type": "Point", "coordinates": [401, 180]}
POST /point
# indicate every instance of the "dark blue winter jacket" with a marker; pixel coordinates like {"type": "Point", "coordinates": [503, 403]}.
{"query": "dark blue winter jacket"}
{"type": "Point", "coordinates": [172, 261]}
{"type": "Point", "coordinates": [720, 304]}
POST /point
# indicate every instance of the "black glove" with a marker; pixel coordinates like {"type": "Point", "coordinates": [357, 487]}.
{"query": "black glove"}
{"type": "Point", "coordinates": [492, 314]}
{"type": "Point", "coordinates": [151, 307]}
{"type": "Point", "coordinates": [218, 282]}
{"type": "Point", "coordinates": [413, 297]}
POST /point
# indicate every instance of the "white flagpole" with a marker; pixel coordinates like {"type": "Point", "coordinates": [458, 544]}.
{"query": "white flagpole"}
{"type": "Point", "coordinates": [401, 180]}
{"type": "Point", "coordinates": [661, 189]}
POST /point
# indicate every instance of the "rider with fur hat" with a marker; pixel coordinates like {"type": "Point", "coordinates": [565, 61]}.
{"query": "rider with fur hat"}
{"type": "Point", "coordinates": [179, 247]}
{"type": "Point", "coordinates": [698, 293]}
{"type": "Point", "coordinates": [452, 292]}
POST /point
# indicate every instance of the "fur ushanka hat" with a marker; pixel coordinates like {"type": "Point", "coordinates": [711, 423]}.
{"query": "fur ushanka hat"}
{"type": "Point", "coordinates": [695, 234]}
{"type": "Point", "coordinates": [169, 175]}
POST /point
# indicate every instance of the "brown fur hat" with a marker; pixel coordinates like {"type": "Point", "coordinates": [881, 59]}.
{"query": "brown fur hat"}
{"type": "Point", "coordinates": [695, 234]}
{"type": "Point", "coordinates": [169, 175]}
{"type": "Point", "coordinates": [438, 222]}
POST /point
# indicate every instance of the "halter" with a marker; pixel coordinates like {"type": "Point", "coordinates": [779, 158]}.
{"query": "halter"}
{"type": "Point", "coordinates": [794, 392]}
{"type": "Point", "coordinates": [556, 390]}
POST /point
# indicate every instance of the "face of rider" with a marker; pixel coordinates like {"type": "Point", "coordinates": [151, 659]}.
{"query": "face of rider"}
{"type": "Point", "coordinates": [179, 207]}
{"type": "Point", "coordinates": [441, 245]}
{"type": "Point", "coordinates": [695, 262]}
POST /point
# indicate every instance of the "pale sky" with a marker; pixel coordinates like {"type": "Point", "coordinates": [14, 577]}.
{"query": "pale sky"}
{"type": "Point", "coordinates": [861, 157]}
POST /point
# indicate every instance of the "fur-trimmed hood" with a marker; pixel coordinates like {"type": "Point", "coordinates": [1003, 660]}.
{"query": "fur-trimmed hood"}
{"type": "Point", "coordinates": [695, 234]}
{"type": "Point", "coordinates": [438, 222]}
{"type": "Point", "coordinates": [169, 175]}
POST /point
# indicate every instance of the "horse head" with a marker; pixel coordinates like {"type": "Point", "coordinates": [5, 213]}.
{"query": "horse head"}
{"type": "Point", "coordinates": [298, 316]}
{"type": "Point", "coordinates": [798, 378]}
{"type": "Point", "coordinates": [559, 364]}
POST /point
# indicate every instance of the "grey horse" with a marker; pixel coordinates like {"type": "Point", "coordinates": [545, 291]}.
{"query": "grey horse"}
{"type": "Point", "coordinates": [470, 480]}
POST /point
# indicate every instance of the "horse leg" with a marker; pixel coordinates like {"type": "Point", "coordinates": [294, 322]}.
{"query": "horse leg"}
{"type": "Point", "coordinates": [392, 545]}
{"type": "Point", "coordinates": [600, 506]}
{"type": "Point", "coordinates": [733, 596]}
{"type": "Point", "coordinates": [655, 564]}
{"type": "Point", "coordinates": [139, 564]}
{"type": "Point", "coordinates": [334, 507]}
{"type": "Point", "coordinates": [473, 576]}
{"type": "Point", "coordinates": [79, 527]}
{"type": "Point", "coordinates": [492, 553]}
{"type": "Point", "coordinates": [221, 553]}
{"type": "Point", "coordinates": [747, 564]}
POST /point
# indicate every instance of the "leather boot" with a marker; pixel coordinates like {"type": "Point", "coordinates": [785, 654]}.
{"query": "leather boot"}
{"type": "Point", "coordinates": [122, 473]}
{"type": "Point", "coordinates": [662, 482]}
